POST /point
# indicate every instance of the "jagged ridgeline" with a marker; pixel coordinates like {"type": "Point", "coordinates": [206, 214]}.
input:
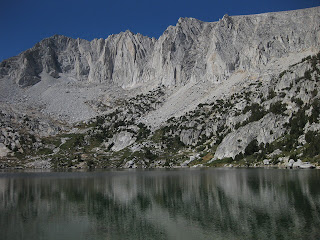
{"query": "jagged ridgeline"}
{"type": "Point", "coordinates": [241, 90]}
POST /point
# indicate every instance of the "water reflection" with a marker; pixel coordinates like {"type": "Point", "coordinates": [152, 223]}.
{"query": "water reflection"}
{"type": "Point", "coordinates": [180, 204]}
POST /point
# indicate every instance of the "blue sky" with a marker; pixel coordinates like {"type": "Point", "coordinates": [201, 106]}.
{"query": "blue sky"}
{"type": "Point", "coordinates": [26, 22]}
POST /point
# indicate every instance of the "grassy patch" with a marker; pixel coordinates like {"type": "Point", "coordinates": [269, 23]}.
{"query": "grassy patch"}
{"type": "Point", "coordinates": [51, 140]}
{"type": "Point", "coordinates": [121, 156]}
{"type": "Point", "coordinates": [75, 140]}
{"type": "Point", "coordinates": [220, 162]}
{"type": "Point", "coordinates": [157, 136]}
{"type": "Point", "coordinates": [44, 151]}
{"type": "Point", "coordinates": [203, 160]}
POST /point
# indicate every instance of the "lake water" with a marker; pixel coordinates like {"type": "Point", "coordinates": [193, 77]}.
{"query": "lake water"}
{"type": "Point", "coordinates": [161, 204]}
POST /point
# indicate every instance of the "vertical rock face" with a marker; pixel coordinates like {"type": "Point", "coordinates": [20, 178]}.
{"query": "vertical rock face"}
{"type": "Point", "coordinates": [191, 51]}
{"type": "Point", "coordinates": [120, 59]}
{"type": "Point", "coordinates": [177, 51]}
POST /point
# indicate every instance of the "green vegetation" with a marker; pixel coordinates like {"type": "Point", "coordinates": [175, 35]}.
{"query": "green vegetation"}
{"type": "Point", "coordinates": [143, 132]}
{"type": "Point", "coordinates": [257, 112]}
{"type": "Point", "coordinates": [44, 151]}
{"type": "Point", "coordinates": [313, 147]}
{"type": "Point", "coordinates": [297, 122]}
{"type": "Point", "coordinates": [220, 162]}
{"type": "Point", "coordinates": [252, 148]}
{"type": "Point", "coordinates": [314, 117]}
{"type": "Point", "coordinates": [73, 141]}
{"type": "Point", "coordinates": [278, 108]}
{"type": "Point", "coordinates": [271, 94]}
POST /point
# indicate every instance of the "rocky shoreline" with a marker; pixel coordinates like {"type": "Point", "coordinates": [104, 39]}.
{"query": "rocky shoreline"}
{"type": "Point", "coordinates": [284, 163]}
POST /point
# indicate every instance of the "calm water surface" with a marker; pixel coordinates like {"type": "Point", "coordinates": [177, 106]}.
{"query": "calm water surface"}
{"type": "Point", "coordinates": [161, 204]}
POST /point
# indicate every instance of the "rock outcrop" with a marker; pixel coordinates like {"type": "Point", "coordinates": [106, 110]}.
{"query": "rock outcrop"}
{"type": "Point", "coordinates": [121, 141]}
{"type": "Point", "coordinates": [266, 130]}
{"type": "Point", "coordinates": [4, 151]}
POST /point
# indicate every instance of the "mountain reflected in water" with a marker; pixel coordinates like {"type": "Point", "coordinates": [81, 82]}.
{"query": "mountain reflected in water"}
{"type": "Point", "coordinates": [161, 204]}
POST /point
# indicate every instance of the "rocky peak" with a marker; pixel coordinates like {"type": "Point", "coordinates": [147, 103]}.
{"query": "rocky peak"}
{"type": "Point", "coordinates": [190, 51]}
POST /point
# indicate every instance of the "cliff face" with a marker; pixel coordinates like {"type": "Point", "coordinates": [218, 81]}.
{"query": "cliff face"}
{"type": "Point", "coordinates": [191, 51]}
{"type": "Point", "coordinates": [118, 59]}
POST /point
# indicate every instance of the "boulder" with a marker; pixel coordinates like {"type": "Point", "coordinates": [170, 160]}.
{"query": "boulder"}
{"type": "Point", "coordinates": [122, 140]}
{"type": "Point", "coordinates": [4, 151]}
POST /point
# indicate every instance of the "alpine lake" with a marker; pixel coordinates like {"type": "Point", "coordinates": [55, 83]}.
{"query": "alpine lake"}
{"type": "Point", "coordinates": [208, 203]}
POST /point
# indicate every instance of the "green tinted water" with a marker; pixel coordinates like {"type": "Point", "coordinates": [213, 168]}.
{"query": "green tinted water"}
{"type": "Point", "coordinates": [161, 204]}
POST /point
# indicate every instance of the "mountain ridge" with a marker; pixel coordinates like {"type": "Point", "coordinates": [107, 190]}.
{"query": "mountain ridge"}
{"type": "Point", "coordinates": [202, 94]}
{"type": "Point", "coordinates": [149, 59]}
